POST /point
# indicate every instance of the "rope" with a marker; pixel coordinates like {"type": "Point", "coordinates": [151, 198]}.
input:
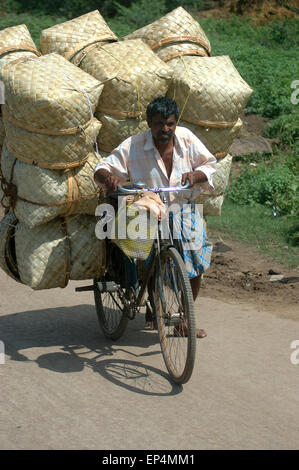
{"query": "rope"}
{"type": "Point", "coordinates": [193, 39]}
{"type": "Point", "coordinates": [20, 47]}
{"type": "Point", "coordinates": [214, 124]}
{"type": "Point", "coordinates": [121, 114]}
{"type": "Point", "coordinates": [48, 166]}
{"type": "Point", "coordinates": [185, 52]}
{"type": "Point", "coordinates": [83, 46]}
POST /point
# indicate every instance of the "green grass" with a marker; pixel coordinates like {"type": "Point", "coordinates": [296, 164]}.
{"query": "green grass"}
{"type": "Point", "coordinates": [257, 226]}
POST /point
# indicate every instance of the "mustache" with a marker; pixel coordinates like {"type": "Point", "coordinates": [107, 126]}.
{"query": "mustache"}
{"type": "Point", "coordinates": [166, 134]}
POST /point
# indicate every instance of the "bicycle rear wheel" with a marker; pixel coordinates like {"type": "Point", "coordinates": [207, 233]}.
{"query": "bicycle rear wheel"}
{"type": "Point", "coordinates": [110, 312]}
{"type": "Point", "coordinates": [175, 315]}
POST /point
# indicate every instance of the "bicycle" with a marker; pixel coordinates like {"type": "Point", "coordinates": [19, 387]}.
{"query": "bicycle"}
{"type": "Point", "coordinates": [165, 292]}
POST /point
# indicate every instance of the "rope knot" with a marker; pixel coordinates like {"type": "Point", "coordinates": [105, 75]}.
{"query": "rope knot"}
{"type": "Point", "coordinates": [10, 192]}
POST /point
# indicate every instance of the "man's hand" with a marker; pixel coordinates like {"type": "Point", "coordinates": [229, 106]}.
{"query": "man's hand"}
{"type": "Point", "coordinates": [108, 179]}
{"type": "Point", "coordinates": [193, 177]}
{"type": "Point", "coordinates": [112, 181]}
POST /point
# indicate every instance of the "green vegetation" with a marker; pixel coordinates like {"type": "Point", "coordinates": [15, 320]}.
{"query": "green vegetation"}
{"type": "Point", "coordinates": [267, 57]}
{"type": "Point", "coordinates": [275, 236]}
{"type": "Point", "coordinates": [272, 183]}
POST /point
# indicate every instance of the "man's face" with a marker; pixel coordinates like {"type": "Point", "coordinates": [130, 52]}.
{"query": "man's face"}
{"type": "Point", "coordinates": [162, 129]}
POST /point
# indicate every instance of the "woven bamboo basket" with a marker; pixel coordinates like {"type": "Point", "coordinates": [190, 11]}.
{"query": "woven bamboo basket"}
{"type": "Point", "coordinates": [70, 38]}
{"type": "Point", "coordinates": [217, 141]}
{"type": "Point", "coordinates": [114, 130]}
{"type": "Point", "coordinates": [174, 35]}
{"type": "Point", "coordinates": [211, 94]}
{"type": "Point", "coordinates": [133, 77]}
{"type": "Point", "coordinates": [42, 195]}
{"type": "Point", "coordinates": [16, 42]}
{"type": "Point", "coordinates": [48, 111]}
{"type": "Point", "coordinates": [213, 200]}
{"type": "Point", "coordinates": [51, 254]}
{"type": "Point", "coordinates": [7, 255]}
{"type": "Point", "coordinates": [48, 151]}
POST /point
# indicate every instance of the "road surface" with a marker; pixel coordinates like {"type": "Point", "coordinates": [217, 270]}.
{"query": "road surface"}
{"type": "Point", "coordinates": [64, 386]}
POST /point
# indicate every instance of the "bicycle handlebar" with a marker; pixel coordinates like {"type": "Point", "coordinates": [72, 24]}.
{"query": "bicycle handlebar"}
{"type": "Point", "coordinates": [153, 190]}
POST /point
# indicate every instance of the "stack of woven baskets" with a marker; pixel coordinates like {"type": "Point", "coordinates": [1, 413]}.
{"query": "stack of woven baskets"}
{"type": "Point", "coordinates": [47, 166]}
{"type": "Point", "coordinates": [132, 75]}
{"type": "Point", "coordinates": [89, 90]}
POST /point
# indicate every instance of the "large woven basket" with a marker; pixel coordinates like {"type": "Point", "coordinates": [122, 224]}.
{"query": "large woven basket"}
{"type": "Point", "coordinates": [211, 94]}
{"type": "Point", "coordinates": [212, 200]}
{"type": "Point", "coordinates": [51, 254]}
{"type": "Point", "coordinates": [133, 77]}
{"type": "Point", "coordinates": [42, 195]}
{"type": "Point", "coordinates": [51, 102]}
{"type": "Point", "coordinates": [115, 130]}
{"type": "Point", "coordinates": [217, 140]}
{"type": "Point", "coordinates": [48, 151]}
{"type": "Point", "coordinates": [71, 38]}
{"type": "Point", "coordinates": [173, 35]}
{"type": "Point", "coordinates": [16, 42]}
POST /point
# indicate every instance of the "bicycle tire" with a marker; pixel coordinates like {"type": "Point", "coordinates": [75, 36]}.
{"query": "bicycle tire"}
{"type": "Point", "coordinates": [110, 312]}
{"type": "Point", "coordinates": [172, 285]}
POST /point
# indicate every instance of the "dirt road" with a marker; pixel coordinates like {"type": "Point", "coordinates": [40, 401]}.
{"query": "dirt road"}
{"type": "Point", "coordinates": [64, 386]}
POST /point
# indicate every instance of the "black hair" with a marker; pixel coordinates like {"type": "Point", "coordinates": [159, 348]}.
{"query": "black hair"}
{"type": "Point", "coordinates": [163, 105]}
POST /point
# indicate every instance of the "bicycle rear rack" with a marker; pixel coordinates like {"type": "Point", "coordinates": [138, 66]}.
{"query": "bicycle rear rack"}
{"type": "Point", "coordinates": [103, 286]}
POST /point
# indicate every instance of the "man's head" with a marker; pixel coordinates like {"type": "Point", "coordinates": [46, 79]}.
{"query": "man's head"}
{"type": "Point", "coordinates": [162, 115]}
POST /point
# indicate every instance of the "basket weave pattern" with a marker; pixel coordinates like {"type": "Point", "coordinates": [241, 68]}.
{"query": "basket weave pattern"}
{"type": "Point", "coordinates": [133, 76]}
{"type": "Point", "coordinates": [76, 34]}
{"type": "Point", "coordinates": [16, 42]}
{"type": "Point", "coordinates": [213, 200]}
{"type": "Point", "coordinates": [114, 131]}
{"type": "Point", "coordinates": [43, 194]}
{"type": "Point", "coordinates": [174, 33]}
{"type": "Point", "coordinates": [51, 254]}
{"type": "Point", "coordinates": [208, 89]}
{"type": "Point", "coordinates": [48, 111]}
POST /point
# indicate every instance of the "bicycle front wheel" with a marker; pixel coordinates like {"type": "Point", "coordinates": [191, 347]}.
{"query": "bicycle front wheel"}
{"type": "Point", "coordinates": [175, 315]}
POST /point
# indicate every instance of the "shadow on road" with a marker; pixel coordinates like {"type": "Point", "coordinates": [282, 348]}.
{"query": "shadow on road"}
{"type": "Point", "coordinates": [75, 332]}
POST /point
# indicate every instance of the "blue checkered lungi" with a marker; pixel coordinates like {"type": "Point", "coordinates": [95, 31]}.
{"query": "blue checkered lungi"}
{"type": "Point", "coordinates": [190, 238]}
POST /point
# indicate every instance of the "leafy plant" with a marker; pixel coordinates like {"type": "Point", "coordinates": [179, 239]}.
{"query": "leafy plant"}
{"type": "Point", "coordinates": [285, 127]}
{"type": "Point", "coordinates": [272, 185]}
{"type": "Point", "coordinates": [141, 12]}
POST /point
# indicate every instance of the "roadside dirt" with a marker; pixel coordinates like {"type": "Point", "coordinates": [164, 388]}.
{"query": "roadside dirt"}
{"type": "Point", "coordinates": [239, 273]}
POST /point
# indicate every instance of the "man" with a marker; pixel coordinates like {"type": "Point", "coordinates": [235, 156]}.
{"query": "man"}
{"type": "Point", "coordinates": [166, 155]}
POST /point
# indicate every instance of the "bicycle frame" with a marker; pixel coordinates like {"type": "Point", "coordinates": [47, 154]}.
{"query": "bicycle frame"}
{"type": "Point", "coordinates": [159, 244]}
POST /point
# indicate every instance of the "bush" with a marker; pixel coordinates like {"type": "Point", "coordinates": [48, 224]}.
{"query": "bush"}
{"type": "Point", "coordinates": [140, 13]}
{"type": "Point", "coordinates": [108, 8]}
{"type": "Point", "coordinates": [271, 184]}
{"type": "Point", "coordinates": [286, 128]}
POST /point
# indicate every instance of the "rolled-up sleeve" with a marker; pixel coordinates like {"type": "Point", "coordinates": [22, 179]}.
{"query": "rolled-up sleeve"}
{"type": "Point", "coordinates": [116, 163]}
